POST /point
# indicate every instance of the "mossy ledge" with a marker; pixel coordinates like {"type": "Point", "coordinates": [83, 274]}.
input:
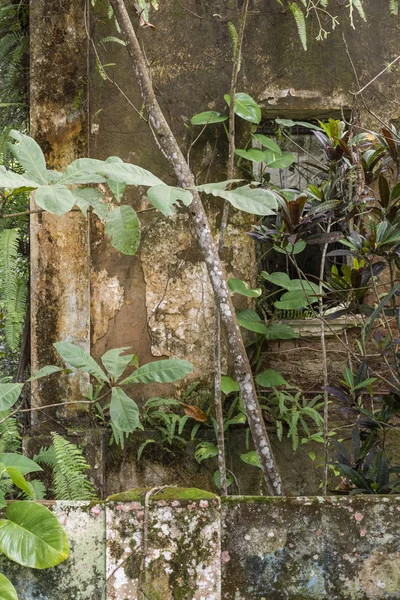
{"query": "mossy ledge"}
{"type": "Point", "coordinates": [172, 493]}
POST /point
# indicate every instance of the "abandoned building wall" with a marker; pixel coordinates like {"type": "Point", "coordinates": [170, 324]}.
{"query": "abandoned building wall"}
{"type": "Point", "coordinates": [159, 302]}
{"type": "Point", "coordinates": [201, 547]}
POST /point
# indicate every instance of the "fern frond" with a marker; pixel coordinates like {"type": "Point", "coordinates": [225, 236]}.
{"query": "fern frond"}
{"type": "Point", "coordinates": [10, 438]}
{"type": "Point", "coordinates": [68, 464]}
{"type": "Point", "coordinates": [356, 4]}
{"type": "Point", "coordinates": [300, 22]}
{"type": "Point", "coordinates": [13, 290]}
{"type": "Point", "coordinates": [394, 7]}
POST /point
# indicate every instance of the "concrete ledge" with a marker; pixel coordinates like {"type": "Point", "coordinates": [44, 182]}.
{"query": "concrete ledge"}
{"type": "Point", "coordinates": [243, 548]}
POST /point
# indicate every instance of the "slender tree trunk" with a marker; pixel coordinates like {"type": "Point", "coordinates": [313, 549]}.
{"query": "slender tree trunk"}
{"type": "Point", "coordinates": [172, 152]}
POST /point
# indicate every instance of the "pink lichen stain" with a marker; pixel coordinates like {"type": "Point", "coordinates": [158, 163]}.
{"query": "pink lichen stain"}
{"type": "Point", "coordinates": [192, 506]}
{"type": "Point", "coordinates": [203, 504]}
{"type": "Point", "coordinates": [291, 545]}
{"type": "Point", "coordinates": [225, 557]}
{"type": "Point", "coordinates": [175, 503]}
{"type": "Point", "coordinates": [363, 532]}
{"type": "Point", "coordinates": [358, 517]}
{"type": "Point", "coordinates": [136, 506]}
{"type": "Point", "coordinates": [319, 532]}
{"type": "Point", "coordinates": [162, 503]}
{"type": "Point", "coordinates": [398, 508]}
{"type": "Point", "coordinates": [95, 510]}
{"type": "Point", "coordinates": [341, 534]}
{"type": "Point", "coordinates": [140, 514]}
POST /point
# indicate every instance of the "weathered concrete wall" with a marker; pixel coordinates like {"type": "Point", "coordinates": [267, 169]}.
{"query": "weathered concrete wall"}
{"type": "Point", "coordinates": [60, 302]}
{"type": "Point", "coordinates": [250, 548]}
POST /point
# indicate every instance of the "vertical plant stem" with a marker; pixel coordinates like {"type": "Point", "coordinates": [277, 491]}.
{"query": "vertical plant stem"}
{"type": "Point", "coordinates": [222, 232]}
{"type": "Point", "coordinates": [171, 150]}
{"type": "Point", "coordinates": [324, 365]}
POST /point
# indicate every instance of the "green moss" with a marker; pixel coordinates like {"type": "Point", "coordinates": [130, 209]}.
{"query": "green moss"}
{"type": "Point", "coordinates": [172, 493]}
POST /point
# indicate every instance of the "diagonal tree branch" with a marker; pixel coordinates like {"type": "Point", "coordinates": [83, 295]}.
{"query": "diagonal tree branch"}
{"type": "Point", "coordinates": [170, 148]}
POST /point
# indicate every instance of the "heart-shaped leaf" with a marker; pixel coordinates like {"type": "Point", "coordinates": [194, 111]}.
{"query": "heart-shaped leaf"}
{"type": "Point", "coordinates": [270, 378]}
{"type": "Point", "coordinates": [18, 461]}
{"type": "Point", "coordinates": [245, 107]}
{"type": "Point", "coordinates": [249, 319]}
{"type": "Point", "coordinates": [32, 537]}
{"type": "Point", "coordinates": [239, 286]}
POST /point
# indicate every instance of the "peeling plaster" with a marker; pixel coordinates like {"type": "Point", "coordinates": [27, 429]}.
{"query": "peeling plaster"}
{"type": "Point", "coordinates": [107, 297]}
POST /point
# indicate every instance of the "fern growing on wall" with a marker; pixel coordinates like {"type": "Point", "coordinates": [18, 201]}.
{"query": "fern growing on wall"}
{"type": "Point", "coordinates": [69, 467]}
{"type": "Point", "coordinates": [13, 288]}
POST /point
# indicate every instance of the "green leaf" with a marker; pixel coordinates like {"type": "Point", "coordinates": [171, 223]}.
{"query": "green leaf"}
{"type": "Point", "coordinates": [10, 180]}
{"type": "Point", "coordinates": [7, 590]}
{"type": "Point", "coordinates": [290, 249]}
{"type": "Point", "coordinates": [290, 123]}
{"type": "Point", "coordinates": [274, 161]}
{"type": "Point", "coordinates": [83, 170]}
{"type": "Point", "coordinates": [165, 197]}
{"type": "Point", "coordinates": [270, 378]}
{"type": "Point", "coordinates": [127, 173]}
{"type": "Point", "coordinates": [90, 197]}
{"type": "Point", "coordinates": [123, 228]}
{"type": "Point", "coordinates": [9, 394]}
{"type": "Point", "coordinates": [30, 156]}
{"type": "Point", "coordinates": [80, 359]}
{"type": "Point", "coordinates": [124, 411]}
{"type": "Point", "coordinates": [249, 319]}
{"type": "Point", "coordinates": [300, 23]}
{"type": "Point", "coordinates": [394, 7]}
{"type": "Point", "coordinates": [365, 383]}
{"type": "Point", "coordinates": [254, 154]}
{"type": "Point", "coordinates": [248, 198]}
{"type": "Point", "coordinates": [217, 479]}
{"type": "Point", "coordinates": [114, 39]}
{"type": "Point", "coordinates": [278, 278]}
{"type": "Point", "coordinates": [278, 331]}
{"type": "Point", "coordinates": [18, 461]}
{"type": "Point", "coordinates": [19, 480]}
{"type": "Point", "coordinates": [295, 299]}
{"type": "Point", "coordinates": [56, 199]}
{"type": "Point", "coordinates": [228, 385]}
{"type": "Point", "coordinates": [205, 450]}
{"type": "Point", "coordinates": [207, 118]}
{"type": "Point", "coordinates": [32, 537]}
{"type": "Point", "coordinates": [44, 372]}
{"type": "Point", "coordinates": [239, 286]}
{"type": "Point", "coordinates": [251, 458]}
{"type": "Point", "coordinates": [114, 363]}
{"type": "Point", "coordinates": [245, 107]}
{"type": "Point", "coordinates": [160, 371]}
{"type": "Point", "coordinates": [267, 143]}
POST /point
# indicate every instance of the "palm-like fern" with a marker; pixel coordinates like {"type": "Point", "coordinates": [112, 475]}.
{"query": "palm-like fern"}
{"type": "Point", "coordinates": [69, 468]}
{"type": "Point", "coordinates": [10, 438]}
{"type": "Point", "coordinates": [13, 288]}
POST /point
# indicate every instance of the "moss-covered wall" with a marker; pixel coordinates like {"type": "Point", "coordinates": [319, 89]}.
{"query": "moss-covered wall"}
{"type": "Point", "coordinates": [250, 548]}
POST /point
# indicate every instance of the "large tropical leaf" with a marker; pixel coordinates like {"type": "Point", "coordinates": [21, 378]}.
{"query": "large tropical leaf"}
{"type": "Point", "coordinates": [79, 359]}
{"type": "Point", "coordinates": [45, 372]}
{"type": "Point", "coordinates": [124, 411]}
{"type": "Point", "coordinates": [31, 536]}
{"type": "Point", "coordinates": [165, 197]}
{"type": "Point", "coordinates": [115, 362]}
{"type": "Point", "coordinates": [56, 199]}
{"type": "Point", "coordinates": [248, 198]}
{"type": "Point", "coordinates": [123, 228]}
{"type": "Point", "coordinates": [7, 590]}
{"type": "Point", "coordinates": [18, 461]}
{"type": "Point", "coordinates": [10, 180]}
{"type": "Point", "coordinates": [249, 319]}
{"type": "Point", "coordinates": [9, 394]}
{"type": "Point", "coordinates": [238, 286]}
{"type": "Point", "coordinates": [270, 378]}
{"type": "Point", "coordinates": [245, 107]}
{"type": "Point", "coordinates": [160, 371]}
{"type": "Point", "coordinates": [30, 156]}
{"type": "Point", "coordinates": [83, 170]}
{"type": "Point", "coordinates": [279, 331]}
{"type": "Point", "coordinates": [127, 173]}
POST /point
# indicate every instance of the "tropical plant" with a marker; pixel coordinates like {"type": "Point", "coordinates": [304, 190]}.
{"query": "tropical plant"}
{"type": "Point", "coordinates": [68, 467]}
